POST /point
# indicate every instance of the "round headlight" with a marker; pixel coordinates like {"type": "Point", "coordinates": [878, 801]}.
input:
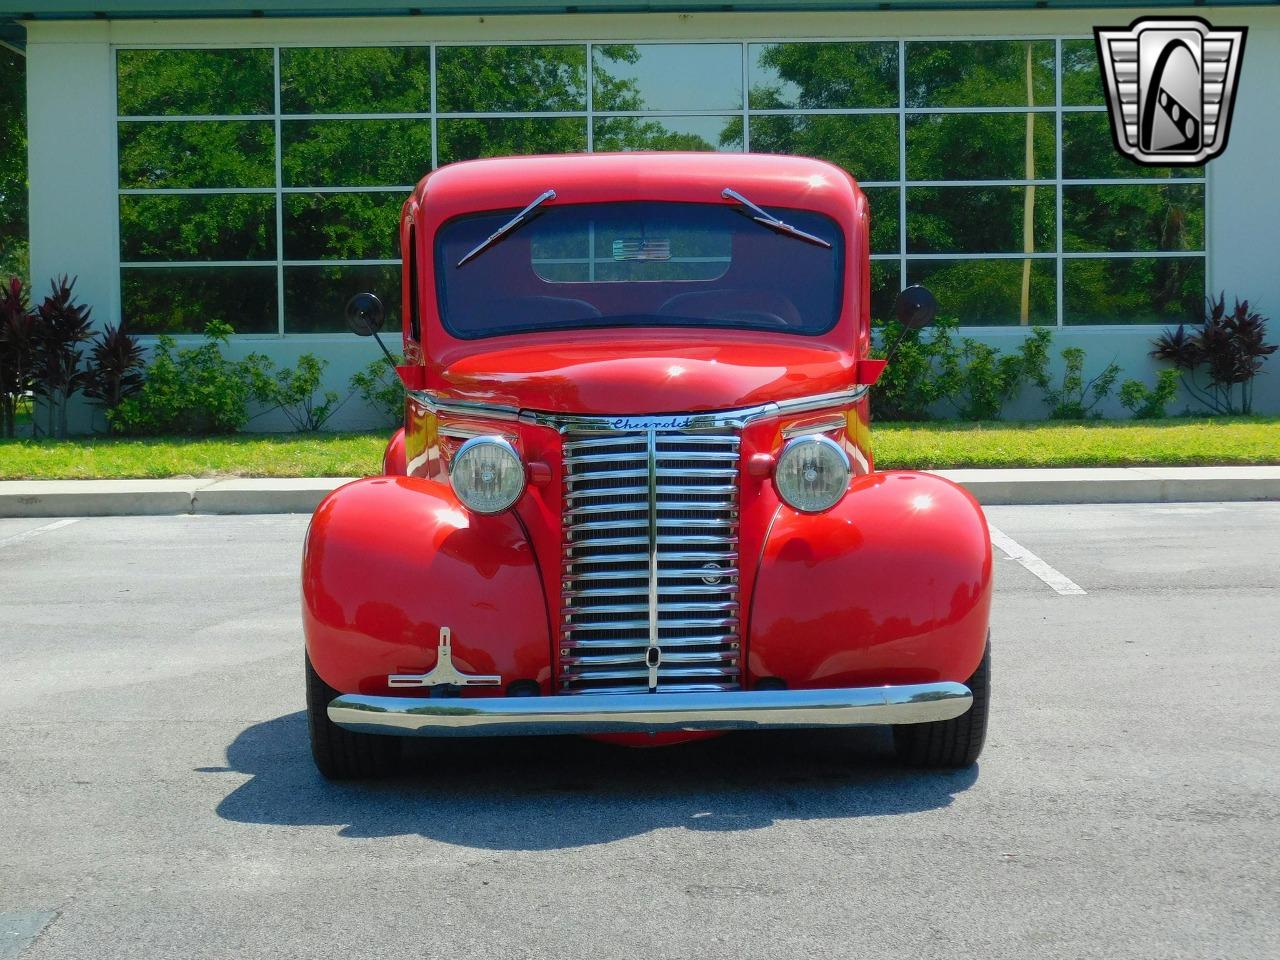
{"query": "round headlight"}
{"type": "Point", "coordinates": [487, 475]}
{"type": "Point", "coordinates": [812, 473]}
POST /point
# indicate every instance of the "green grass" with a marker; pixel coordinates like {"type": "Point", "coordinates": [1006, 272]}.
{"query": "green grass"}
{"type": "Point", "coordinates": [242, 455]}
{"type": "Point", "coordinates": [1176, 442]}
{"type": "Point", "coordinates": [1166, 443]}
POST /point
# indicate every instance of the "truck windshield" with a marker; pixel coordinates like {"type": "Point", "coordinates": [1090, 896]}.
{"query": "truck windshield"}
{"type": "Point", "coordinates": [643, 264]}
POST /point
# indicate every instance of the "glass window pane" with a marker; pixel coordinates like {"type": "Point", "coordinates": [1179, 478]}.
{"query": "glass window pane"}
{"type": "Point", "coordinates": [979, 146]}
{"type": "Point", "coordinates": [669, 133]}
{"type": "Point", "coordinates": [884, 219]}
{"type": "Point", "coordinates": [980, 220]}
{"type": "Point", "coordinates": [1089, 152]}
{"type": "Point", "coordinates": [823, 75]}
{"type": "Point", "coordinates": [342, 226]}
{"type": "Point", "coordinates": [518, 79]}
{"type": "Point", "coordinates": [986, 73]}
{"type": "Point", "coordinates": [691, 252]}
{"type": "Point", "coordinates": [227, 226]}
{"type": "Point", "coordinates": [315, 297]}
{"type": "Point", "coordinates": [667, 76]}
{"type": "Point", "coordinates": [472, 139]}
{"type": "Point", "coordinates": [866, 145]}
{"type": "Point", "coordinates": [194, 82]}
{"type": "Point", "coordinates": [1081, 74]}
{"type": "Point", "coordinates": [358, 153]}
{"type": "Point", "coordinates": [215, 153]}
{"type": "Point", "coordinates": [184, 299]}
{"type": "Point", "coordinates": [1138, 217]}
{"type": "Point", "coordinates": [884, 288]}
{"type": "Point", "coordinates": [990, 293]}
{"type": "Point", "coordinates": [564, 256]}
{"type": "Point", "coordinates": [652, 252]}
{"type": "Point", "coordinates": [1133, 290]}
{"type": "Point", "coordinates": [355, 79]}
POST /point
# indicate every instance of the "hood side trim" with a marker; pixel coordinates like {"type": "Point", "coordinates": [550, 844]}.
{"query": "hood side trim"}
{"type": "Point", "coordinates": [562, 422]}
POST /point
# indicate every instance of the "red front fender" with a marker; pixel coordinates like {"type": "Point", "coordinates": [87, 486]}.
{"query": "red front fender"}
{"type": "Point", "coordinates": [893, 585]}
{"type": "Point", "coordinates": [390, 560]}
{"type": "Point", "coordinates": [393, 458]}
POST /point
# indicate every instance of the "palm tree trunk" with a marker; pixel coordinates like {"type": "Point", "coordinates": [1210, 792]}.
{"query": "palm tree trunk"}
{"type": "Point", "coordinates": [1028, 202]}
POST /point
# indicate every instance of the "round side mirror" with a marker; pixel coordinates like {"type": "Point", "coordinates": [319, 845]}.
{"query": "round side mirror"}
{"type": "Point", "coordinates": [365, 314]}
{"type": "Point", "coordinates": [915, 307]}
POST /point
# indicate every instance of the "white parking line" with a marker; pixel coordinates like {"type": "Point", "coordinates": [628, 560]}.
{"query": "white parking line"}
{"type": "Point", "coordinates": [29, 534]}
{"type": "Point", "coordinates": [1056, 579]}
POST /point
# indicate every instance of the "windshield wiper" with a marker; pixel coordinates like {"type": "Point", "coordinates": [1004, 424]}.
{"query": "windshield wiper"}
{"type": "Point", "coordinates": [508, 227]}
{"type": "Point", "coordinates": [772, 222]}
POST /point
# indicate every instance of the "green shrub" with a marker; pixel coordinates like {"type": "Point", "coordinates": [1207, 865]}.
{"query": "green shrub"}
{"type": "Point", "coordinates": [379, 386]}
{"type": "Point", "coordinates": [193, 391]}
{"type": "Point", "coordinates": [1034, 352]}
{"type": "Point", "coordinates": [931, 368]}
{"type": "Point", "coordinates": [17, 353]}
{"type": "Point", "coordinates": [1149, 404]}
{"type": "Point", "coordinates": [296, 393]}
{"type": "Point", "coordinates": [61, 325]}
{"type": "Point", "coordinates": [1076, 398]}
{"type": "Point", "coordinates": [924, 371]}
{"type": "Point", "coordinates": [987, 381]}
{"type": "Point", "coordinates": [1229, 345]}
{"type": "Point", "coordinates": [115, 368]}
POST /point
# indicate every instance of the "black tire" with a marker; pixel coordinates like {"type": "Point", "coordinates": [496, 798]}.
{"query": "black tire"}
{"type": "Point", "coordinates": [950, 743]}
{"type": "Point", "coordinates": [340, 754]}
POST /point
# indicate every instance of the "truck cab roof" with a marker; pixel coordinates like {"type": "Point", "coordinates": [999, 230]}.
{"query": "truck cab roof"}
{"type": "Point", "coordinates": [498, 183]}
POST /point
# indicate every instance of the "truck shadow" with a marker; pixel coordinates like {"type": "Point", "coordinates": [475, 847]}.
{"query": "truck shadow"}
{"type": "Point", "coordinates": [548, 793]}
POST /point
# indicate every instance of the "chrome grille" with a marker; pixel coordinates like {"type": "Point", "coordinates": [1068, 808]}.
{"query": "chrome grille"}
{"type": "Point", "coordinates": [650, 577]}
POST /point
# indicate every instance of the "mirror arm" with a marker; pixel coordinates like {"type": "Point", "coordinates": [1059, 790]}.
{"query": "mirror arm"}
{"type": "Point", "coordinates": [893, 348]}
{"type": "Point", "coordinates": [385, 352]}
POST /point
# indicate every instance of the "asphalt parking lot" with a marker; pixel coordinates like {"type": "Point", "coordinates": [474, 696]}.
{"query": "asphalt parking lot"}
{"type": "Point", "coordinates": [157, 798]}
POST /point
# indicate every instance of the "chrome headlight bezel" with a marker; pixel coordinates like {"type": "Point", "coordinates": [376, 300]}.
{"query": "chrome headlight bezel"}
{"type": "Point", "coordinates": [457, 466]}
{"type": "Point", "coordinates": [826, 448]}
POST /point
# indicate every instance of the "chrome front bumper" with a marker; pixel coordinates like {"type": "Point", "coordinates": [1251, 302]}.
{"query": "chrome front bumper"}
{"type": "Point", "coordinates": [650, 712]}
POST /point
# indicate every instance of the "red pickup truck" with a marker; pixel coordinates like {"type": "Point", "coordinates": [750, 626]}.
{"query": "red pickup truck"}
{"type": "Point", "coordinates": [634, 496]}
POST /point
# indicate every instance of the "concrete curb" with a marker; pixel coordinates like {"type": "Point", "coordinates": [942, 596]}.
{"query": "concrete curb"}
{"type": "Point", "coordinates": [107, 498]}
{"type": "Point", "coordinates": [116, 498]}
{"type": "Point", "coordinates": [1119, 484]}
{"type": "Point", "coordinates": [264, 495]}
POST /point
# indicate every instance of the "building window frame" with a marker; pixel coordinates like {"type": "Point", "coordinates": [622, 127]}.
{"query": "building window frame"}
{"type": "Point", "coordinates": [1058, 181]}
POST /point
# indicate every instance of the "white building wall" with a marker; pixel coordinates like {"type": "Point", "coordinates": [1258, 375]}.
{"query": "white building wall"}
{"type": "Point", "coordinates": [71, 135]}
{"type": "Point", "coordinates": [73, 171]}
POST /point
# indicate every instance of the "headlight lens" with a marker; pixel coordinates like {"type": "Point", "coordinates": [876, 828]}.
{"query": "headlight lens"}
{"type": "Point", "coordinates": [812, 473]}
{"type": "Point", "coordinates": [487, 475]}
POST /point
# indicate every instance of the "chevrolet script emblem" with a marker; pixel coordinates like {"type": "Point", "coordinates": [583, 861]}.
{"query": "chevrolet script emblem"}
{"type": "Point", "coordinates": [1171, 84]}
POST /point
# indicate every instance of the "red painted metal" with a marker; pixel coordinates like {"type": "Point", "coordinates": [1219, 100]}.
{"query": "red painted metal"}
{"type": "Point", "coordinates": [893, 585]}
{"type": "Point", "coordinates": [388, 561]}
{"type": "Point", "coordinates": [770, 181]}
{"type": "Point", "coordinates": [869, 371]}
{"type": "Point", "coordinates": [393, 460]}
{"type": "Point", "coordinates": [603, 372]}
{"type": "Point", "coordinates": [413, 376]}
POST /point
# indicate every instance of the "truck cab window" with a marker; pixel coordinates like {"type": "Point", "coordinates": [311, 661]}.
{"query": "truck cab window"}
{"type": "Point", "coordinates": [640, 264]}
{"type": "Point", "coordinates": [415, 325]}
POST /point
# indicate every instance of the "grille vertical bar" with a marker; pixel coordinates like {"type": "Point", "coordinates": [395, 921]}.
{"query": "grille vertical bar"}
{"type": "Point", "coordinates": [650, 570]}
{"type": "Point", "coordinates": [653, 656]}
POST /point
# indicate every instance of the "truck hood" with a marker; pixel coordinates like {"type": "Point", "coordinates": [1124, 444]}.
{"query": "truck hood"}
{"type": "Point", "coordinates": [644, 376]}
